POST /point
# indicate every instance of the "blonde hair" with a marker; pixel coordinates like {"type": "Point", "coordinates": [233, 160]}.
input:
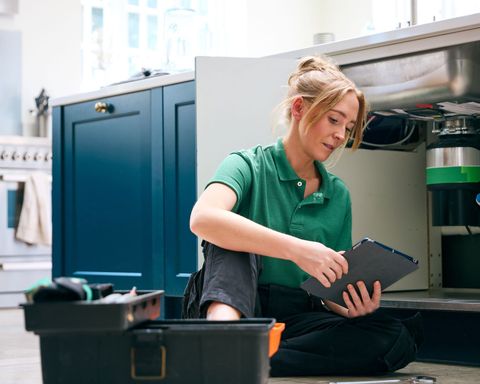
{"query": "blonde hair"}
{"type": "Point", "coordinates": [323, 85]}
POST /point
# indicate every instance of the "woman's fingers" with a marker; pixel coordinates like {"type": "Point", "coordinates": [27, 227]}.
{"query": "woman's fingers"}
{"type": "Point", "coordinates": [354, 295]}
{"type": "Point", "coordinates": [362, 288]}
{"type": "Point", "coordinates": [351, 308]}
{"type": "Point", "coordinates": [341, 261]}
{"type": "Point", "coordinates": [377, 291]}
{"type": "Point", "coordinates": [359, 302]}
{"type": "Point", "coordinates": [331, 275]}
{"type": "Point", "coordinates": [323, 280]}
{"type": "Point", "coordinates": [321, 262]}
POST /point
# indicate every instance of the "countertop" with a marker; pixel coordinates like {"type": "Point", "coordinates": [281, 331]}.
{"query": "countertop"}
{"type": "Point", "coordinates": [125, 87]}
{"type": "Point", "coordinates": [446, 299]}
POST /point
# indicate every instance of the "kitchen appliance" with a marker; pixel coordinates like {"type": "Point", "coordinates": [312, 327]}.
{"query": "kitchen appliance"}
{"type": "Point", "coordinates": [453, 172]}
{"type": "Point", "coordinates": [21, 264]}
{"type": "Point", "coordinates": [440, 89]}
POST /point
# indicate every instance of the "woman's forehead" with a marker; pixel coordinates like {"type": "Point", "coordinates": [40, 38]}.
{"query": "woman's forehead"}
{"type": "Point", "coordinates": [348, 107]}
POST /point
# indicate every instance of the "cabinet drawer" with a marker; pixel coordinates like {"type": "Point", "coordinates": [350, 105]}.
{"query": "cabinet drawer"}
{"type": "Point", "coordinates": [109, 107]}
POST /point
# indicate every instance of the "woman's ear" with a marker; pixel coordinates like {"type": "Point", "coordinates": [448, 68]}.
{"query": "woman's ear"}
{"type": "Point", "coordinates": [297, 108]}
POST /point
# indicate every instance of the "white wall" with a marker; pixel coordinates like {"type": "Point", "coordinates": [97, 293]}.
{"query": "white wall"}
{"type": "Point", "coordinates": [51, 57]}
{"type": "Point", "coordinates": [275, 26]}
{"type": "Point", "coordinates": [346, 19]}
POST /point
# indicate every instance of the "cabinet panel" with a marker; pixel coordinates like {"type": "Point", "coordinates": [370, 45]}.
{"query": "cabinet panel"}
{"type": "Point", "coordinates": [180, 185]}
{"type": "Point", "coordinates": [108, 191]}
{"type": "Point", "coordinates": [124, 187]}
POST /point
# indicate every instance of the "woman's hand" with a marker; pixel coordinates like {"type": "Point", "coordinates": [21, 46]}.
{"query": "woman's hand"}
{"type": "Point", "coordinates": [321, 262]}
{"type": "Point", "coordinates": [357, 305]}
{"type": "Point", "coordinates": [362, 304]}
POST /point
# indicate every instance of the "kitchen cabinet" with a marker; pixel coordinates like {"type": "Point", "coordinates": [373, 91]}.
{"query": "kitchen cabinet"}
{"type": "Point", "coordinates": [180, 184]}
{"type": "Point", "coordinates": [124, 184]}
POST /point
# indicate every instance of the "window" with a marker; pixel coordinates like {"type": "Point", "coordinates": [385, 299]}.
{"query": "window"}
{"type": "Point", "coordinates": [435, 10]}
{"type": "Point", "coordinates": [152, 35]}
{"type": "Point", "coordinates": [133, 30]}
{"type": "Point", "coordinates": [120, 37]}
{"type": "Point", "coordinates": [389, 15]}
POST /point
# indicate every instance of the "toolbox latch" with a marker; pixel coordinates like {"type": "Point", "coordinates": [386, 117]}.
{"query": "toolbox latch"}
{"type": "Point", "coordinates": [148, 363]}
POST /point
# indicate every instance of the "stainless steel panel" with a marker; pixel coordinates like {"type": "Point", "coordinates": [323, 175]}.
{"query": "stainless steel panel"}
{"type": "Point", "coordinates": [449, 74]}
{"type": "Point", "coordinates": [453, 157]}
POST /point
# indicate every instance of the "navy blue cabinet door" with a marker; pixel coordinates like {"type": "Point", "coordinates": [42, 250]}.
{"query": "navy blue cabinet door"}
{"type": "Point", "coordinates": [180, 185]}
{"type": "Point", "coordinates": [111, 187]}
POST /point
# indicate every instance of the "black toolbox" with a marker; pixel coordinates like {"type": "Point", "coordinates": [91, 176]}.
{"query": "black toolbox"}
{"type": "Point", "coordinates": [125, 348]}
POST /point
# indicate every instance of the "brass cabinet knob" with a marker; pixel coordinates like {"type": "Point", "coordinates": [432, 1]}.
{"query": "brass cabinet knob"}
{"type": "Point", "coordinates": [103, 107]}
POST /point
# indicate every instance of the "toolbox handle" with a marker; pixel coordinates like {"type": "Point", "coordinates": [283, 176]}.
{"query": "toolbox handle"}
{"type": "Point", "coordinates": [274, 338]}
{"type": "Point", "coordinates": [163, 366]}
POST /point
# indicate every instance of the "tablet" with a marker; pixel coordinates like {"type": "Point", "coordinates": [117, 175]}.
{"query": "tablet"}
{"type": "Point", "coordinates": [368, 261]}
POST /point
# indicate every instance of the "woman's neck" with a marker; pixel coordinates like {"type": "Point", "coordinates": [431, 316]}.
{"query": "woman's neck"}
{"type": "Point", "coordinates": [301, 163]}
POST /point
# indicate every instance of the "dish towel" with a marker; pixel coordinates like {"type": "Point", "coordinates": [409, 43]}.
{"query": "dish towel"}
{"type": "Point", "coordinates": [35, 224]}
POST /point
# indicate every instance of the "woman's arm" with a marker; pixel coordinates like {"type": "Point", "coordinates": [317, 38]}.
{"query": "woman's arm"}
{"type": "Point", "coordinates": [213, 220]}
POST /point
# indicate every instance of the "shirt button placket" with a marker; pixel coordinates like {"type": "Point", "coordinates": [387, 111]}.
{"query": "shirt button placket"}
{"type": "Point", "coordinates": [296, 225]}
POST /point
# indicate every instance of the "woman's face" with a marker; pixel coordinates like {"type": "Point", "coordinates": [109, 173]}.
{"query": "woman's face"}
{"type": "Point", "coordinates": [331, 131]}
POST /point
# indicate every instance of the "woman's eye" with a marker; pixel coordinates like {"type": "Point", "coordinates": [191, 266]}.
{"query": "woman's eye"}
{"type": "Point", "coordinates": [332, 120]}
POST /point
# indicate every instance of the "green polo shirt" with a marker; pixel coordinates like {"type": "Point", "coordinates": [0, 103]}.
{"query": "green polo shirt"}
{"type": "Point", "coordinates": [270, 193]}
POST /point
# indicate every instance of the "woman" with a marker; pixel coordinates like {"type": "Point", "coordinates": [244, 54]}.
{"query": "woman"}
{"type": "Point", "coordinates": [273, 216]}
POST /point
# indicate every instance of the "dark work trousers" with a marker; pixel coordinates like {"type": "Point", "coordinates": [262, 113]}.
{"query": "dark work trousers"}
{"type": "Point", "coordinates": [316, 341]}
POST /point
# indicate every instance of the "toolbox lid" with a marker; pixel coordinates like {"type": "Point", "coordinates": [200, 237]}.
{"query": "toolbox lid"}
{"type": "Point", "coordinates": [92, 316]}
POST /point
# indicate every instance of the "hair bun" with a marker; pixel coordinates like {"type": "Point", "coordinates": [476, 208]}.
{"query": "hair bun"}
{"type": "Point", "coordinates": [314, 63]}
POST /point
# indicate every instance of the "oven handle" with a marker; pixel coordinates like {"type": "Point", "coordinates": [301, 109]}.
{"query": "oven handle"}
{"type": "Point", "coordinates": [26, 265]}
{"type": "Point", "coordinates": [16, 178]}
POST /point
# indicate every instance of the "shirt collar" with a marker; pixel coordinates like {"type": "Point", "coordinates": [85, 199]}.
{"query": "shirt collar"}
{"type": "Point", "coordinates": [287, 173]}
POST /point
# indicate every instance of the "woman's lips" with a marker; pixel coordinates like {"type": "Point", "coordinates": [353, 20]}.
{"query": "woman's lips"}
{"type": "Point", "coordinates": [329, 147]}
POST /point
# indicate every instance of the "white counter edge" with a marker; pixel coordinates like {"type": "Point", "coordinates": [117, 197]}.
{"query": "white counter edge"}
{"type": "Point", "coordinates": [416, 32]}
{"type": "Point", "coordinates": [121, 89]}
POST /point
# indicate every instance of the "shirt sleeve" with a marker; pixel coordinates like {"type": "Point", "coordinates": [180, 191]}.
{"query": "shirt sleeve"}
{"type": "Point", "coordinates": [235, 173]}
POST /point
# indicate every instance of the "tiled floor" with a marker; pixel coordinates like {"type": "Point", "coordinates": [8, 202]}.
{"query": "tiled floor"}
{"type": "Point", "coordinates": [20, 361]}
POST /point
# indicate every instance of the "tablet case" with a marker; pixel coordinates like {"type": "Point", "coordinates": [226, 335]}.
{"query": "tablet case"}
{"type": "Point", "coordinates": [369, 261]}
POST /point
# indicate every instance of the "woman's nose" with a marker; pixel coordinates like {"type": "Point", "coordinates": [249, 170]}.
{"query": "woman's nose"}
{"type": "Point", "coordinates": [339, 134]}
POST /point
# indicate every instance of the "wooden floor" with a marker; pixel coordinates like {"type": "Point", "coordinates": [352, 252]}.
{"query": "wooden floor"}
{"type": "Point", "coordinates": [20, 361]}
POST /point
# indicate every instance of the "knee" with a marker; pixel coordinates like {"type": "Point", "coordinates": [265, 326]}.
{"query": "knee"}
{"type": "Point", "coordinates": [221, 311]}
{"type": "Point", "coordinates": [391, 344]}
{"type": "Point", "coordinates": [402, 351]}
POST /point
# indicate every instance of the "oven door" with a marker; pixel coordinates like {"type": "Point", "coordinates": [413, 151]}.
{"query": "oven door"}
{"type": "Point", "coordinates": [11, 197]}
{"type": "Point", "coordinates": [21, 264]}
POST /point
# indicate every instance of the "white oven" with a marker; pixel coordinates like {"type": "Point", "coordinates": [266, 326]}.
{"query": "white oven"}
{"type": "Point", "coordinates": [21, 264]}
